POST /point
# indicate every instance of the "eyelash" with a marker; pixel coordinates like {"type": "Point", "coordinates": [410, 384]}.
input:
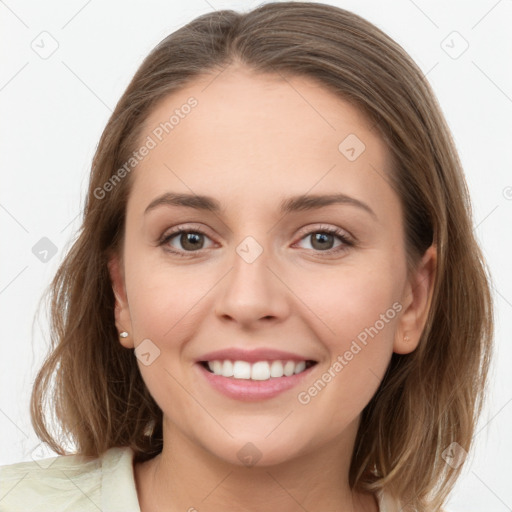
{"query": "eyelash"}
{"type": "Point", "coordinates": [341, 235]}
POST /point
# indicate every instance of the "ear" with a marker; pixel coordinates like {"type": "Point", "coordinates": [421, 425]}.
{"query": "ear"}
{"type": "Point", "coordinates": [121, 310]}
{"type": "Point", "coordinates": [416, 302]}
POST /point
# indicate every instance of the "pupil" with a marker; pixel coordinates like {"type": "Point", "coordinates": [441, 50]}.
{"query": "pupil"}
{"type": "Point", "coordinates": [322, 238]}
{"type": "Point", "coordinates": [192, 239]}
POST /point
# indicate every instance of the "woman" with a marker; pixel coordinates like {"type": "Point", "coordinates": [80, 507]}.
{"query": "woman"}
{"type": "Point", "coordinates": [276, 298]}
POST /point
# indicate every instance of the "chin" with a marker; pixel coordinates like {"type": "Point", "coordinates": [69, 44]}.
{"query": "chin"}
{"type": "Point", "coordinates": [256, 451]}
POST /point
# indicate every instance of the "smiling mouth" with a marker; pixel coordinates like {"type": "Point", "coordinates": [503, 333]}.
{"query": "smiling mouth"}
{"type": "Point", "coordinates": [260, 370]}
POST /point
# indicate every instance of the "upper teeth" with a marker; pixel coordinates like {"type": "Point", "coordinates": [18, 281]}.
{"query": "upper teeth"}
{"type": "Point", "coordinates": [262, 370]}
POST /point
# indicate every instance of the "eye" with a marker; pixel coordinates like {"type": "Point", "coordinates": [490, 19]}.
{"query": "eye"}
{"type": "Point", "coordinates": [181, 241]}
{"type": "Point", "coordinates": [323, 239]}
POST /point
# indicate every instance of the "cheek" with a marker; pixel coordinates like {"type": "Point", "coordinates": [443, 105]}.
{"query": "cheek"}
{"type": "Point", "coordinates": [359, 353]}
{"type": "Point", "coordinates": [165, 300]}
{"type": "Point", "coordinates": [359, 312]}
{"type": "Point", "coordinates": [165, 305]}
{"type": "Point", "coordinates": [353, 299]}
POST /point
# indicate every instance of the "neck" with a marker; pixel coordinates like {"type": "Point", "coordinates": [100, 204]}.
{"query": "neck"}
{"type": "Point", "coordinates": [186, 477]}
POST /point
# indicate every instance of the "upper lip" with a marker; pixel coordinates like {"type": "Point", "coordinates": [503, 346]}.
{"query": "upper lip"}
{"type": "Point", "coordinates": [252, 356]}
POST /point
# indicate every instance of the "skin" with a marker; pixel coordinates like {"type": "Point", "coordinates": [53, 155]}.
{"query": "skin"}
{"type": "Point", "coordinates": [251, 141]}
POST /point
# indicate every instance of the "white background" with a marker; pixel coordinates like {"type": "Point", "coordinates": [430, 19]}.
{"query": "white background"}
{"type": "Point", "coordinates": [53, 111]}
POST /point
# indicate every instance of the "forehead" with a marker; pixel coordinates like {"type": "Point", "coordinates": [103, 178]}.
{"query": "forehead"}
{"type": "Point", "coordinates": [248, 137]}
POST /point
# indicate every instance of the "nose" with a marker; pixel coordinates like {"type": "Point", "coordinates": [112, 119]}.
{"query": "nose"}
{"type": "Point", "coordinates": [253, 293]}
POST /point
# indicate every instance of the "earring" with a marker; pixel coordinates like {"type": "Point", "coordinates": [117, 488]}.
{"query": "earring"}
{"type": "Point", "coordinates": [148, 431]}
{"type": "Point", "coordinates": [123, 334]}
{"type": "Point", "coordinates": [406, 339]}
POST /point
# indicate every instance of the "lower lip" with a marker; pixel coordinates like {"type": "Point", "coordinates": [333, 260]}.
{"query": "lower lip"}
{"type": "Point", "coordinates": [251, 390]}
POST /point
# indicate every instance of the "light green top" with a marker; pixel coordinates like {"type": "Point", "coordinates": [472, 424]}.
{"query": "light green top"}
{"type": "Point", "coordinates": [73, 483]}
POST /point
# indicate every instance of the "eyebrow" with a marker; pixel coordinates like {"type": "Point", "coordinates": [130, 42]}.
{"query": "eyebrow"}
{"type": "Point", "coordinates": [303, 202]}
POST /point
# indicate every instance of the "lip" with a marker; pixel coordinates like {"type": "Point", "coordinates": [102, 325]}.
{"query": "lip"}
{"type": "Point", "coordinates": [247, 390]}
{"type": "Point", "coordinates": [253, 356]}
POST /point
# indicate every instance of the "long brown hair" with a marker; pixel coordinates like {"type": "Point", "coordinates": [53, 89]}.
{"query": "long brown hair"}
{"type": "Point", "coordinates": [429, 398]}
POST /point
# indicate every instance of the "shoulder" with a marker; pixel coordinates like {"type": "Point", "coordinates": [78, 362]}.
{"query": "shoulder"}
{"type": "Point", "coordinates": [388, 503]}
{"type": "Point", "coordinates": [70, 482]}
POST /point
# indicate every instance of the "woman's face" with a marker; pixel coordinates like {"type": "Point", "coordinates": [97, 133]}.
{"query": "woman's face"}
{"type": "Point", "coordinates": [301, 258]}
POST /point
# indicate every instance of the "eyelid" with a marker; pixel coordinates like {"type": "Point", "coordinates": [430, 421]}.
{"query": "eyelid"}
{"type": "Point", "coordinates": [187, 226]}
{"type": "Point", "coordinates": [308, 230]}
